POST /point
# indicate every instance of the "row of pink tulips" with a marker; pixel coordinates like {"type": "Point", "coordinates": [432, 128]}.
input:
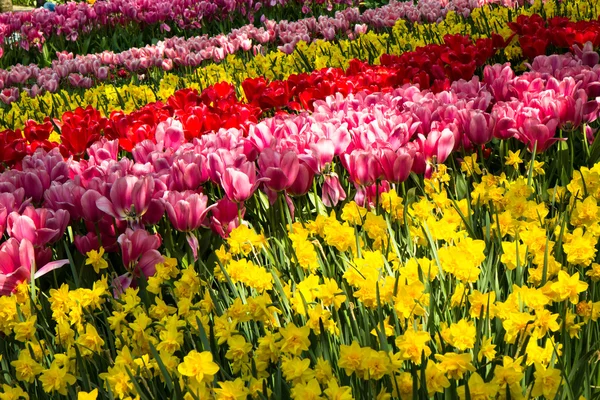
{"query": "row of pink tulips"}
{"type": "Point", "coordinates": [83, 71]}
{"type": "Point", "coordinates": [72, 19]}
{"type": "Point", "coordinates": [377, 138]}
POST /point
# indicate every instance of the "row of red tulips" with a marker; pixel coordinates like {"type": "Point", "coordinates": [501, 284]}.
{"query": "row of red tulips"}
{"type": "Point", "coordinates": [433, 66]}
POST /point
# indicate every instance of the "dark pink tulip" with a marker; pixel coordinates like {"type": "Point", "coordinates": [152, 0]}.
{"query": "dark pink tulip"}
{"type": "Point", "coordinates": [65, 196]}
{"type": "Point", "coordinates": [590, 134]}
{"type": "Point", "coordinates": [186, 210]}
{"type": "Point", "coordinates": [303, 182]}
{"type": "Point", "coordinates": [479, 126]}
{"type": "Point", "coordinates": [362, 166]}
{"type": "Point", "coordinates": [225, 216]}
{"type": "Point", "coordinates": [86, 243]}
{"type": "Point", "coordinates": [35, 183]}
{"type": "Point", "coordinates": [281, 169]}
{"type": "Point", "coordinates": [17, 261]}
{"type": "Point", "coordinates": [139, 252]}
{"type": "Point", "coordinates": [332, 191]}
{"type": "Point", "coordinates": [537, 135]}
{"type": "Point", "coordinates": [396, 165]}
{"type": "Point", "coordinates": [130, 198]}
{"type": "Point", "coordinates": [89, 209]}
{"type": "Point", "coordinates": [40, 226]}
{"type": "Point", "coordinates": [109, 230]}
{"type": "Point", "coordinates": [50, 163]}
{"type": "Point", "coordinates": [155, 212]}
{"type": "Point", "coordinates": [121, 283]}
{"type": "Point", "coordinates": [10, 202]}
{"type": "Point", "coordinates": [587, 54]}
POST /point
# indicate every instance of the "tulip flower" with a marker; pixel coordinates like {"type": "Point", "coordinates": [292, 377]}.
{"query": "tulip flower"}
{"type": "Point", "coordinates": [396, 165]}
{"type": "Point", "coordinates": [139, 254]}
{"type": "Point", "coordinates": [479, 126]}
{"type": "Point", "coordinates": [18, 263]}
{"type": "Point", "coordinates": [39, 226]}
{"type": "Point", "coordinates": [186, 210]}
{"type": "Point", "coordinates": [130, 198]}
{"type": "Point", "coordinates": [240, 183]}
{"type": "Point", "coordinates": [362, 166]}
{"type": "Point", "coordinates": [332, 191]}
{"type": "Point", "coordinates": [280, 169]}
{"type": "Point", "coordinates": [226, 216]}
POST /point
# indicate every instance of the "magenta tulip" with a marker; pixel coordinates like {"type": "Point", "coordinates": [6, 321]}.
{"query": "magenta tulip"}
{"type": "Point", "coordinates": [186, 210]}
{"type": "Point", "coordinates": [18, 261]}
{"type": "Point", "coordinates": [396, 165]}
{"type": "Point", "coordinates": [139, 252]}
{"type": "Point", "coordinates": [280, 169]}
{"type": "Point", "coordinates": [130, 199]}
{"type": "Point", "coordinates": [332, 191]}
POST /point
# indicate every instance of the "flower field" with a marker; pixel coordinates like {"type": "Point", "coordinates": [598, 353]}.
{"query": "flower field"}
{"type": "Point", "coordinates": [300, 200]}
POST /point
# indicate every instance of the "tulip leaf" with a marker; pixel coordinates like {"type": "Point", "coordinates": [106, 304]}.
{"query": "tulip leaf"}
{"type": "Point", "coordinates": [594, 151]}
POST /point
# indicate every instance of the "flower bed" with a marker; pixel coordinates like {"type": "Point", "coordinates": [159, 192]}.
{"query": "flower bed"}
{"type": "Point", "coordinates": [422, 226]}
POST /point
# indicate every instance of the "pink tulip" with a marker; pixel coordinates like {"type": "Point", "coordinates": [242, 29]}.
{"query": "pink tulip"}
{"type": "Point", "coordinates": [280, 169]}
{"type": "Point", "coordinates": [225, 216]}
{"type": "Point", "coordinates": [332, 191]}
{"type": "Point", "coordinates": [186, 210]}
{"type": "Point", "coordinates": [396, 165]}
{"type": "Point", "coordinates": [103, 150]}
{"type": "Point", "coordinates": [188, 172]}
{"type": "Point", "coordinates": [170, 134]}
{"type": "Point", "coordinates": [362, 166]}
{"type": "Point", "coordinates": [505, 121]}
{"type": "Point", "coordinates": [130, 198]}
{"type": "Point", "coordinates": [139, 252]}
{"type": "Point", "coordinates": [40, 226]}
{"type": "Point", "coordinates": [18, 262]}
{"type": "Point", "coordinates": [537, 135]}
{"type": "Point", "coordinates": [321, 154]}
{"type": "Point", "coordinates": [479, 126]}
{"type": "Point", "coordinates": [218, 161]}
{"type": "Point", "coordinates": [240, 184]}
{"type": "Point", "coordinates": [439, 145]}
{"type": "Point", "coordinates": [497, 77]}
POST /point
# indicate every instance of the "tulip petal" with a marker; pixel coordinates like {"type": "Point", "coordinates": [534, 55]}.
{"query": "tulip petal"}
{"type": "Point", "coordinates": [51, 266]}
